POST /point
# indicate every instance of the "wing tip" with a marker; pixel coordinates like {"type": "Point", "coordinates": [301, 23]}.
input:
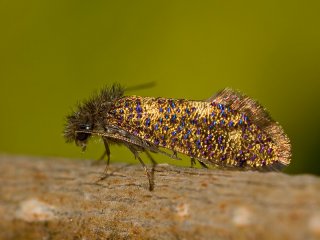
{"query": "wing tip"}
{"type": "Point", "coordinates": [259, 116]}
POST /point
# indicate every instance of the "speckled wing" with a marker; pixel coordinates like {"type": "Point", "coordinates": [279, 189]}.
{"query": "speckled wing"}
{"type": "Point", "coordinates": [229, 130]}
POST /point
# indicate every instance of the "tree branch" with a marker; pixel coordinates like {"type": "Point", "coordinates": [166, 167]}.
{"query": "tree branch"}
{"type": "Point", "coordinates": [61, 199]}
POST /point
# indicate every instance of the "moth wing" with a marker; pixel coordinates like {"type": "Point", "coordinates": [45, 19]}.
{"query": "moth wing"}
{"type": "Point", "coordinates": [258, 116]}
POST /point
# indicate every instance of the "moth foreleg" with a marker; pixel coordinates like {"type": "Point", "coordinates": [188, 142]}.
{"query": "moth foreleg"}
{"type": "Point", "coordinates": [106, 153]}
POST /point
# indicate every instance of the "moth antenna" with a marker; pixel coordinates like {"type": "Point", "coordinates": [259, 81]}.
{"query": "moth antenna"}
{"type": "Point", "coordinates": [141, 86]}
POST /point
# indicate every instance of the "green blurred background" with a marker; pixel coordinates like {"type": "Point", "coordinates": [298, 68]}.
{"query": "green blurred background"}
{"type": "Point", "coordinates": [55, 53]}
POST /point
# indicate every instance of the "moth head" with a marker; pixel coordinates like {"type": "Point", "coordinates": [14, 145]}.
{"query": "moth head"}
{"type": "Point", "coordinates": [78, 129]}
{"type": "Point", "coordinates": [89, 116]}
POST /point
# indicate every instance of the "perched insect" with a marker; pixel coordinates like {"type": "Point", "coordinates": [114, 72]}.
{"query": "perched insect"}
{"type": "Point", "coordinates": [229, 130]}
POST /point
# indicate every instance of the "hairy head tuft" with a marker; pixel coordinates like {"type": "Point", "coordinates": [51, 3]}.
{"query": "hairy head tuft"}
{"type": "Point", "coordinates": [86, 115]}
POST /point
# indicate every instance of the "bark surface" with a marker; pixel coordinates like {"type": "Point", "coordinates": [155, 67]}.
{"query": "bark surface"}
{"type": "Point", "coordinates": [51, 198]}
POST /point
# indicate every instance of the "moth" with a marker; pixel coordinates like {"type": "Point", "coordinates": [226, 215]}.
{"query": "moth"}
{"type": "Point", "coordinates": [229, 130]}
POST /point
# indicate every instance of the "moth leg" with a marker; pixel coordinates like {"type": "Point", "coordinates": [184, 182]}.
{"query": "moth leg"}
{"type": "Point", "coordinates": [203, 164]}
{"type": "Point", "coordinates": [102, 156]}
{"type": "Point", "coordinates": [193, 162]}
{"type": "Point", "coordinates": [175, 154]}
{"type": "Point", "coordinates": [154, 164]}
{"type": "Point", "coordinates": [106, 153]}
{"type": "Point", "coordinates": [149, 175]}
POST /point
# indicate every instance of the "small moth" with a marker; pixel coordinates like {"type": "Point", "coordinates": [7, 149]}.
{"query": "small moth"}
{"type": "Point", "coordinates": [228, 130]}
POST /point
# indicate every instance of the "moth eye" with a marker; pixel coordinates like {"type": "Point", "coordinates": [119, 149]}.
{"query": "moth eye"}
{"type": "Point", "coordinates": [82, 136]}
{"type": "Point", "coordinates": [85, 127]}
